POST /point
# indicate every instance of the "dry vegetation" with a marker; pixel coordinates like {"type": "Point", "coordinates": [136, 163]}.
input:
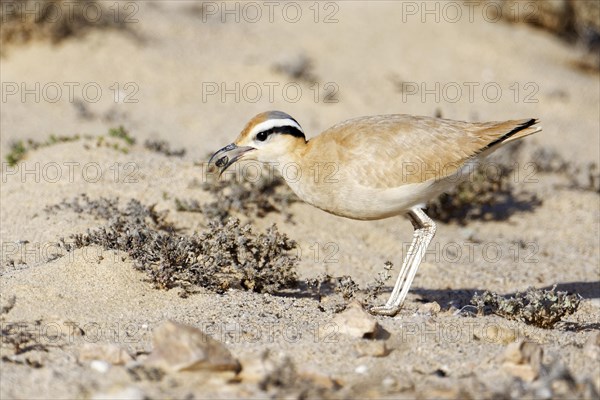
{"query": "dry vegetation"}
{"type": "Point", "coordinates": [574, 21]}
{"type": "Point", "coordinates": [224, 256]}
{"type": "Point", "coordinates": [163, 147]}
{"type": "Point", "coordinates": [53, 20]}
{"type": "Point", "coordinates": [236, 196]}
{"type": "Point", "coordinates": [541, 308]}
{"type": "Point", "coordinates": [16, 339]}
{"type": "Point", "coordinates": [492, 194]}
{"type": "Point", "coordinates": [228, 254]}
{"type": "Point", "coordinates": [488, 194]}
{"type": "Point", "coordinates": [579, 177]}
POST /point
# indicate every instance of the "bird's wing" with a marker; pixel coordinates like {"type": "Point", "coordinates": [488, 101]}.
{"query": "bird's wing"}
{"type": "Point", "coordinates": [394, 150]}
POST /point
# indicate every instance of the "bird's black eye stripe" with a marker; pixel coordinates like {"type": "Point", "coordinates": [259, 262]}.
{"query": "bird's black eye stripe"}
{"type": "Point", "coordinates": [284, 130]}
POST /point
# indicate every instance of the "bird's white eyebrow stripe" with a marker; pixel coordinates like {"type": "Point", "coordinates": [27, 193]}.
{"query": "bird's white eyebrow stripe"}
{"type": "Point", "coordinates": [274, 123]}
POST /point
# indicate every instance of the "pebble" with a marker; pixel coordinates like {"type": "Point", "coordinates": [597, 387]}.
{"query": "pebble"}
{"type": "Point", "coordinates": [361, 369]}
{"type": "Point", "coordinates": [100, 366]}
{"type": "Point", "coordinates": [178, 347]}
{"type": "Point", "coordinates": [256, 370]}
{"type": "Point", "coordinates": [355, 321]}
{"type": "Point", "coordinates": [523, 360]}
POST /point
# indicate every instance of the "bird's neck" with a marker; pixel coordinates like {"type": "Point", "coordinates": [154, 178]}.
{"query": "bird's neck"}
{"type": "Point", "coordinates": [301, 165]}
{"type": "Point", "coordinates": [295, 154]}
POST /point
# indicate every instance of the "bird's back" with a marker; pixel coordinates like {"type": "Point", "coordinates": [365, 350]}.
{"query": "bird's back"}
{"type": "Point", "coordinates": [388, 151]}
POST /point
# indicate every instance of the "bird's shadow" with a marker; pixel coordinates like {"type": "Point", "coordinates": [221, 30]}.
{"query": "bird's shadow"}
{"type": "Point", "coordinates": [504, 205]}
{"type": "Point", "coordinates": [511, 204]}
{"type": "Point", "coordinates": [459, 298]}
{"type": "Point", "coordinates": [444, 297]}
{"type": "Point", "coordinates": [304, 290]}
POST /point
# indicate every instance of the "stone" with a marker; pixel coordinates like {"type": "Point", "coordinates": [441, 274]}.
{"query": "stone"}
{"type": "Point", "coordinates": [357, 322]}
{"type": "Point", "coordinates": [268, 369]}
{"type": "Point", "coordinates": [372, 348]}
{"type": "Point", "coordinates": [178, 347]}
{"type": "Point", "coordinates": [361, 369]}
{"type": "Point", "coordinates": [100, 366]}
{"type": "Point", "coordinates": [432, 308]}
{"type": "Point", "coordinates": [256, 369]}
{"type": "Point", "coordinates": [523, 360]}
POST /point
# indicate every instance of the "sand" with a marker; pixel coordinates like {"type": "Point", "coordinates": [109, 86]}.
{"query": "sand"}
{"type": "Point", "coordinates": [166, 67]}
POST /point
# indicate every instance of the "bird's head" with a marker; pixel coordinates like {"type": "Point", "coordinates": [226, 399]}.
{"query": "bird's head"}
{"type": "Point", "coordinates": [268, 137]}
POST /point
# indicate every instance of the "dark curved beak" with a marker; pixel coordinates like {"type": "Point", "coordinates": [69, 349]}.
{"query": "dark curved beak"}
{"type": "Point", "coordinates": [229, 155]}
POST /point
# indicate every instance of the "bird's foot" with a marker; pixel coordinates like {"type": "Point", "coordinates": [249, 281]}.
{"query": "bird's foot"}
{"type": "Point", "coordinates": [386, 310]}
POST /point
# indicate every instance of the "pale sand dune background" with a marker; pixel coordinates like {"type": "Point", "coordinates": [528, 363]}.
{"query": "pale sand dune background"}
{"type": "Point", "coordinates": [366, 54]}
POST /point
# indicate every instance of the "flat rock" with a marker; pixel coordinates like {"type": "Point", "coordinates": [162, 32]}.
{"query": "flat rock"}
{"type": "Point", "coordinates": [357, 322]}
{"type": "Point", "coordinates": [178, 347]}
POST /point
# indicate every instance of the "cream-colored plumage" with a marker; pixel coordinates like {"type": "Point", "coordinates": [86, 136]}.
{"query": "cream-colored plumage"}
{"type": "Point", "coordinates": [375, 167]}
{"type": "Point", "coordinates": [396, 141]}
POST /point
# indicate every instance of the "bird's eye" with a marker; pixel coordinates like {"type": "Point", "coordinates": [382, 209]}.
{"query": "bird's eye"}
{"type": "Point", "coordinates": [262, 136]}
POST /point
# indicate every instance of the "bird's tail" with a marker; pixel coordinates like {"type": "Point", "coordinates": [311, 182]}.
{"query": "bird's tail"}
{"type": "Point", "coordinates": [516, 129]}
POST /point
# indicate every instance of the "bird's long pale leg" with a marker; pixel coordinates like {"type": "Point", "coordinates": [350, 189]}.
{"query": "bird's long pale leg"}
{"type": "Point", "coordinates": [424, 232]}
{"type": "Point", "coordinates": [408, 260]}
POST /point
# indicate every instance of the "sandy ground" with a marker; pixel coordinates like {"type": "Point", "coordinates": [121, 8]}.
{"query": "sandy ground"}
{"type": "Point", "coordinates": [174, 56]}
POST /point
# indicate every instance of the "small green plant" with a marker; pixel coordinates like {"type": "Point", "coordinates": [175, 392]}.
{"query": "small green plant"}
{"type": "Point", "coordinates": [17, 153]}
{"type": "Point", "coordinates": [19, 149]}
{"type": "Point", "coordinates": [123, 134]}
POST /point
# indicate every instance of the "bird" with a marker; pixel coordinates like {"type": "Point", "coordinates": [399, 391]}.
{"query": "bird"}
{"type": "Point", "coordinates": [375, 167]}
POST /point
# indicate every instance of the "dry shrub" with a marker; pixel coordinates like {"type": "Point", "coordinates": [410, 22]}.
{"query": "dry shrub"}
{"type": "Point", "coordinates": [226, 255]}
{"type": "Point", "coordinates": [541, 308]}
